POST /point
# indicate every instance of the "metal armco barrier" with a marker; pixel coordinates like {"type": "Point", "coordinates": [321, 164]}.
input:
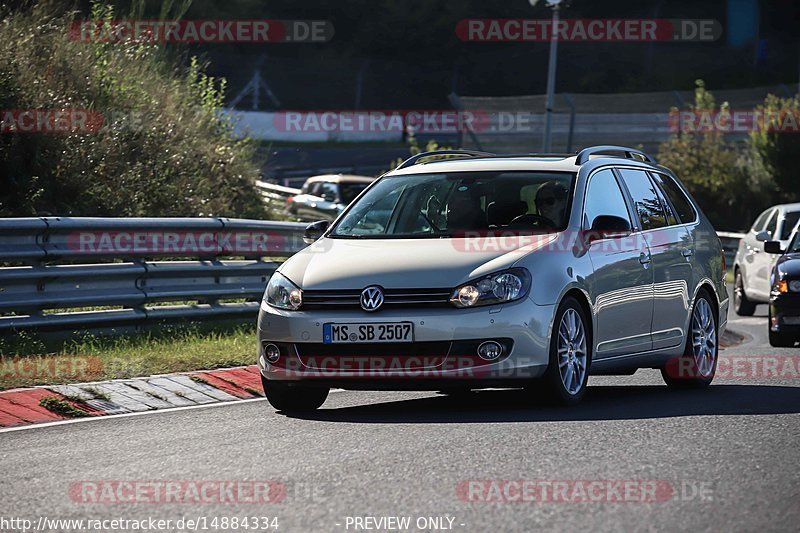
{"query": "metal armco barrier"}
{"type": "Point", "coordinates": [730, 243]}
{"type": "Point", "coordinates": [52, 271]}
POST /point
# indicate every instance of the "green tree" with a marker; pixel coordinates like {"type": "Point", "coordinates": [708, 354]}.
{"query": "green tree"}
{"type": "Point", "coordinates": [162, 150]}
{"type": "Point", "coordinates": [710, 167]}
{"type": "Point", "coordinates": [776, 144]}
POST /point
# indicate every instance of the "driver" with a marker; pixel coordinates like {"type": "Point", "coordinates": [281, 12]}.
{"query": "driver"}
{"type": "Point", "coordinates": [551, 202]}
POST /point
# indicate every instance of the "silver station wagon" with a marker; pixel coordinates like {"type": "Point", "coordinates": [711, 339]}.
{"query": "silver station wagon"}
{"type": "Point", "coordinates": [461, 270]}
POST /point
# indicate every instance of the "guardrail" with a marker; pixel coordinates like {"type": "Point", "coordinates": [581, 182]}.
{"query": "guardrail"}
{"type": "Point", "coordinates": [101, 274]}
{"type": "Point", "coordinates": [113, 264]}
{"type": "Point", "coordinates": [730, 243]}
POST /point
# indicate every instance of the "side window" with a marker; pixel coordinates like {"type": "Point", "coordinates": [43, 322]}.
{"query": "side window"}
{"type": "Point", "coordinates": [758, 225]}
{"type": "Point", "coordinates": [671, 218]}
{"type": "Point", "coordinates": [645, 198]}
{"type": "Point", "coordinates": [772, 225]}
{"type": "Point", "coordinates": [677, 197]}
{"type": "Point", "coordinates": [603, 197]}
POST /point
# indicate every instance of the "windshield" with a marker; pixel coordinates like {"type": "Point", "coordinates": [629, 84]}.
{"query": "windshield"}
{"type": "Point", "coordinates": [447, 205]}
{"type": "Point", "coordinates": [789, 223]}
{"type": "Point", "coordinates": [794, 246]}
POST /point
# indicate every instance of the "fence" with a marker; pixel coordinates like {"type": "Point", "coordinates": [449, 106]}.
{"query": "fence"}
{"type": "Point", "coordinates": [144, 276]}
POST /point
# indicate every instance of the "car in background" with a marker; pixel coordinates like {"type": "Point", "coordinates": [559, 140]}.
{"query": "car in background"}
{"type": "Point", "coordinates": [752, 267]}
{"type": "Point", "coordinates": [784, 299]}
{"type": "Point", "coordinates": [324, 197]}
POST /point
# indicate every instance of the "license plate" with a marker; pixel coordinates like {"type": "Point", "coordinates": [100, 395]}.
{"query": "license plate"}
{"type": "Point", "coordinates": [368, 332]}
{"type": "Point", "coordinates": [791, 320]}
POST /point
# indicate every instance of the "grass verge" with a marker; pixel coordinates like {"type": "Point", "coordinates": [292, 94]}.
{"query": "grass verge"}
{"type": "Point", "coordinates": [28, 361]}
{"type": "Point", "coordinates": [61, 407]}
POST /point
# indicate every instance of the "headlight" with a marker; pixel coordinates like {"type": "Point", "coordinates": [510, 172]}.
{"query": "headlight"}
{"type": "Point", "coordinates": [794, 286]}
{"type": "Point", "coordinates": [282, 293]}
{"type": "Point", "coordinates": [497, 288]}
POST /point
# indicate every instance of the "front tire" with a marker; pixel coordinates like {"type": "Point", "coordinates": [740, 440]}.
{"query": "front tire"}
{"type": "Point", "coordinates": [776, 338]}
{"type": "Point", "coordinates": [570, 354]}
{"type": "Point", "coordinates": [293, 399]}
{"type": "Point", "coordinates": [697, 366]}
{"type": "Point", "coordinates": [741, 304]}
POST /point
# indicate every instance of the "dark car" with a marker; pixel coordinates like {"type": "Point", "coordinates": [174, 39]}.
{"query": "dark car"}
{"type": "Point", "coordinates": [324, 197]}
{"type": "Point", "coordinates": [784, 301]}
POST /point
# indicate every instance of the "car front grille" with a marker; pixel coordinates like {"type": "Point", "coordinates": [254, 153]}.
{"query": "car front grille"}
{"type": "Point", "coordinates": [351, 298]}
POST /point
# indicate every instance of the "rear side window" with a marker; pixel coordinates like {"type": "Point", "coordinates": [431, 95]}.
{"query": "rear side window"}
{"type": "Point", "coordinates": [677, 198]}
{"type": "Point", "coordinates": [672, 218]}
{"type": "Point", "coordinates": [645, 198]}
{"type": "Point", "coordinates": [603, 197]}
{"type": "Point", "coordinates": [788, 224]}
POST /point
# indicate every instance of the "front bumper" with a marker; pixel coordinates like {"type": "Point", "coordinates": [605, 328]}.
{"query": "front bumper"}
{"type": "Point", "coordinates": [785, 312]}
{"type": "Point", "coordinates": [442, 352]}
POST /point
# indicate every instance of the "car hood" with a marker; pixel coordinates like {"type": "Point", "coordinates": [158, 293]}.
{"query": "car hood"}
{"type": "Point", "coordinates": [789, 265]}
{"type": "Point", "coordinates": [395, 263]}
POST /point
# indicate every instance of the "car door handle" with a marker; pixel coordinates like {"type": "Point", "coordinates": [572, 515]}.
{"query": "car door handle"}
{"type": "Point", "coordinates": [644, 258]}
{"type": "Point", "coordinates": [687, 253]}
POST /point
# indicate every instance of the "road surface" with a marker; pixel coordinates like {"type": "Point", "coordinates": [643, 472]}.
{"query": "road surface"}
{"type": "Point", "coordinates": [721, 459]}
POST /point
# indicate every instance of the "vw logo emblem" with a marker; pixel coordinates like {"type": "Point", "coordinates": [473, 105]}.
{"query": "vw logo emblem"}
{"type": "Point", "coordinates": [372, 298]}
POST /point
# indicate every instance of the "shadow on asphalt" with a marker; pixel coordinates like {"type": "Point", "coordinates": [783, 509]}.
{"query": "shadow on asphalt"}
{"type": "Point", "coordinates": [601, 403]}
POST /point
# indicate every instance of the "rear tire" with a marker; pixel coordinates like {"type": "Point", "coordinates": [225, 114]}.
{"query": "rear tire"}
{"type": "Point", "coordinates": [741, 304]}
{"type": "Point", "coordinates": [570, 354]}
{"type": "Point", "coordinates": [293, 399]}
{"type": "Point", "coordinates": [695, 369]}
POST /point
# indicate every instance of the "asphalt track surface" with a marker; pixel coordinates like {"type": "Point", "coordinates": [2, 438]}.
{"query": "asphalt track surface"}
{"type": "Point", "coordinates": [724, 459]}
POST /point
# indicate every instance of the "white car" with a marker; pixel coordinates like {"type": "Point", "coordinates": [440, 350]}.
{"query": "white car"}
{"type": "Point", "coordinates": [752, 267]}
{"type": "Point", "coordinates": [499, 271]}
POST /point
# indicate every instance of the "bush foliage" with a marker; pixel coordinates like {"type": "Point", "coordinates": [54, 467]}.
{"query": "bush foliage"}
{"type": "Point", "coordinates": [733, 182]}
{"type": "Point", "coordinates": [162, 150]}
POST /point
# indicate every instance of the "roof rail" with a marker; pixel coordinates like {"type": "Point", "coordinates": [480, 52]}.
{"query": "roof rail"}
{"type": "Point", "coordinates": [629, 153]}
{"type": "Point", "coordinates": [415, 158]}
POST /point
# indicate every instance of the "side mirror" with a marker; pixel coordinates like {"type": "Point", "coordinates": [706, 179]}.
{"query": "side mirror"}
{"type": "Point", "coordinates": [608, 226]}
{"type": "Point", "coordinates": [773, 247]}
{"type": "Point", "coordinates": [763, 236]}
{"type": "Point", "coordinates": [314, 231]}
{"type": "Point", "coordinates": [328, 196]}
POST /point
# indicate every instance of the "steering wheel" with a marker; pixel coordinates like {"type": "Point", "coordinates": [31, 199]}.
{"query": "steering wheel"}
{"type": "Point", "coordinates": [531, 219]}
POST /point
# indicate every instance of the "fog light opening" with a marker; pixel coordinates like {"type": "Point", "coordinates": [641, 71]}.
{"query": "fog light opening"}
{"type": "Point", "coordinates": [490, 350]}
{"type": "Point", "coordinates": [272, 353]}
